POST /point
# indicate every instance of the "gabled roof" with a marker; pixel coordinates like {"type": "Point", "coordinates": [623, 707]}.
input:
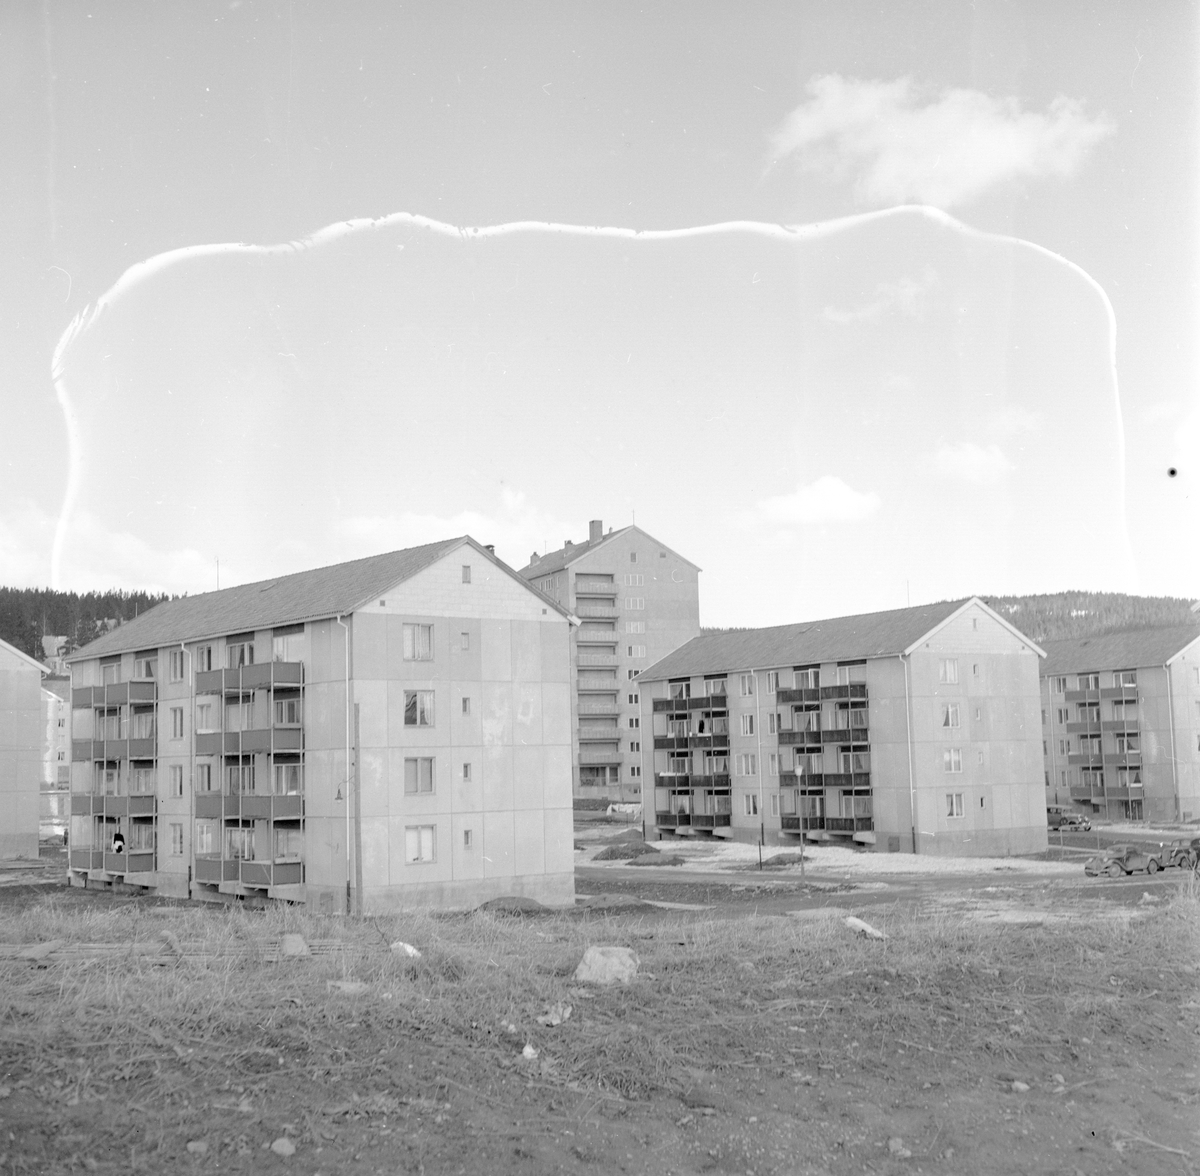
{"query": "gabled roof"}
{"type": "Point", "coordinates": [880, 634]}
{"type": "Point", "coordinates": [286, 600]}
{"type": "Point", "coordinates": [1127, 650]}
{"type": "Point", "coordinates": [29, 661]}
{"type": "Point", "coordinates": [555, 561]}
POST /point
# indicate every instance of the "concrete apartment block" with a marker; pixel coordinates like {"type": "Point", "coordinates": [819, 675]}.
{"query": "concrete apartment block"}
{"type": "Point", "coordinates": [636, 600]}
{"type": "Point", "coordinates": [907, 731]}
{"type": "Point", "coordinates": [380, 734]}
{"type": "Point", "coordinates": [1121, 724]}
{"type": "Point", "coordinates": [20, 751]}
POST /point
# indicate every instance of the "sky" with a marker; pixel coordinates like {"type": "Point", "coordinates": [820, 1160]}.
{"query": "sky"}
{"type": "Point", "coordinates": [853, 305]}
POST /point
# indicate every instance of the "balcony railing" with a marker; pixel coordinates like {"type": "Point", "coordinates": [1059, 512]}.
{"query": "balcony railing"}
{"type": "Point", "coordinates": [710, 820]}
{"type": "Point", "coordinates": [846, 690]}
{"type": "Point", "coordinates": [590, 755]}
{"type": "Point", "coordinates": [847, 779]}
{"type": "Point", "coordinates": [599, 708]}
{"type": "Point", "coordinates": [1119, 692]}
{"type": "Point", "coordinates": [798, 824]}
{"type": "Point", "coordinates": [849, 824]}
{"type": "Point", "coordinates": [594, 660]}
{"type": "Point", "coordinates": [599, 733]}
{"type": "Point", "coordinates": [798, 694]}
{"type": "Point", "coordinates": [262, 676]}
{"type": "Point", "coordinates": [114, 694]}
{"type": "Point", "coordinates": [1085, 727]}
{"type": "Point", "coordinates": [595, 588]}
{"type": "Point", "coordinates": [1082, 695]}
{"type": "Point", "coordinates": [597, 685]}
{"type": "Point", "coordinates": [596, 636]}
{"type": "Point", "coordinates": [596, 610]}
{"type": "Point", "coordinates": [1085, 758]}
{"type": "Point", "coordinates": [1129, 725]}
{"type": "Point", "coordinates": [791, 738]}
{"type": "Point", "coordinates": [98, 804]}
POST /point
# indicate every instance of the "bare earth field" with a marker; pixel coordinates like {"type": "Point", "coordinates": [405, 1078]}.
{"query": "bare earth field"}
{"type": "Point", "coordinates": [155, 1037]}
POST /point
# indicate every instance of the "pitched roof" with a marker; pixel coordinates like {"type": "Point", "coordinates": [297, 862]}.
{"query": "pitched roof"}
{"type": "Point", "coordinates": [285, 600]}
{"type": "Point", "coordinates": [1125, 650]}
{"type": "Point", "coordinates": [24, 657]}
{"type": "Point", "coordinates": [880, 634]}
{"type": "Point", "coordinates": [555, 561]}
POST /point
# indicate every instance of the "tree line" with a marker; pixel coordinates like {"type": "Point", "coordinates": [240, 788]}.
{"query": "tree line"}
{"type": "Point", "coordinates": [28, 614]}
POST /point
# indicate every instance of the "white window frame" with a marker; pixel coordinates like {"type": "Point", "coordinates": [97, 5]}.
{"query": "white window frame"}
{"type": "Point", "coordinates": [420, 841]}
{"type": "Point", "coordinates": [416, 786]}
{"type": "Point", "coordinates": [176, 839]}
{"type": "Point", "coordinates": [747, 685]}
{"type": "Point", "coordinates": [175, 665]}
{"type": "Point", "coordinates": [418, 641]}
{"type": "Point", "coordinates": [633, 603]}
{"type": "Point", "coordinates": [750, 803]}
{"type": "Point", "coordinates": [747, 724]}
{"type": "Point", "coordinates": [176, 722]}
{"type": "Point", "coordinates": [954, 806]}
{"type": "Point", "coordinates": [175, 778]}
{"type": "Point", "coordinates": [952, 759]}
{"type": "Point", "coordinates": [948, 670]}
{"type": "Point", "coordinates": [421, 703]}
{"type": "Point", "coordinates": [950, 715]}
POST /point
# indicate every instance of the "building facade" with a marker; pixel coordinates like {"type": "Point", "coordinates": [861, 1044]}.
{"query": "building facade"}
{"type": "Point", "coordinates": [55, 797]}
{"type": "Point", "coordinates": [636, 601]}
{"type": "Point", "coordinates": [907, 731]}
{"type": "Point", "coordinates": [388, 732]}
{"type": "Point", "coordinates": [20, 751]}
{"type": "Point", "coordinates": [1121, 724]}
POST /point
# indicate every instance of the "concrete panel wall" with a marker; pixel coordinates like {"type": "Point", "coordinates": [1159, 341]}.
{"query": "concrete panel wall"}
{"type": "Point", "coordinates": [20, 754]}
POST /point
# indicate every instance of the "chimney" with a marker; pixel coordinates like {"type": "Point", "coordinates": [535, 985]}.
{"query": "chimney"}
{"type": "Point", "coordinates": [567, 544]}
{"type": "Point", "coordinates": [490, 548]}
{"type": "Point", "coordinates": [535, 558]}
{"type": "Point", "coordinates": [595, 530]}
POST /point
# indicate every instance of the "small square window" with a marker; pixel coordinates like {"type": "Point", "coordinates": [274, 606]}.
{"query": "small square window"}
{"type": "Point", "coordinates": [467, 839]}
{"type": "Point", "coordinates": [466, 573]}
{"type": "Point", "coordinates": [418, 775]}
{"type": "Point", "coordinates": [465, 641]}
{"type": "Point", "coordinates": [466, 772]}
{"type": "Point", "coordinates": [419, 843]}
{"type": "Point", "coordinates": [633, 557]}
{"type": "Point", "coordinates": [466, 706]}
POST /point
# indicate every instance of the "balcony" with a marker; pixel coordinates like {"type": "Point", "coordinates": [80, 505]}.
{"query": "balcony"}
{"type": "Point", "coordinates": [711, 782]}
{"type": "Point", "coordinates": [671, 743]}
{"type": "Point", "coordinates": [802, 779]}
{"type": "Point", "coordinates": [595, 660]}
{"type": "Point", "coordinates": [99, 749]}
{"type": "Point", "coordinates": [598, 611]}
{"type": "Point", "coordinates": [849, 824]}
{"type": "Point", "coordinates": [596, 636]}
{"type": "Point", "coordinates": [595, 587]}
{"type": "Point", "coordinates": [672, 820]}
{"type": "Point", "coordinates": [599, 708]}
{"type": "Point", "coordinates": [599, 733]}
{"type": "Point", "coordinates": [1086, 727]}
{"type": "Point", "coordinates": [1082, 792]}
{"type": "Point", "coordinates": [714, 741]}
{"type": "Point", "coordinates": [597, 685]}
{"type": "Point", "coordinates": [798, 824]}
{"type": "Point", "coordinates": [1119, 692]}
{"type": "Point", "coordinates": [1124, 759]}
{"type": "Point", "coordinates": [253, 806]}
{"type": "Point", "coordinates": [847, 779]}
{"type": "Point", "coordinates": [114, 694]}
{"type": "Point", "coordinates": [591, 755]}
{"type": "Point", "coordinates": [245, 742]}
{"type": "Point", "coordinates": [1085, 758]}
{"type": "Point", "coordinates": [1128, 726]}
{"type": "Point", "coordinates": [264, 676]}
{"type": "Point", "coordinates": [845, 735]}
{"type": "Point", "coordinates": [799, 694]}
{"type": "Point", "coordinates": [208, 870]}
{"type": "Point", "coordinates": [1082, 695]}
{"type": "Point", "coordinates": [848, 690]}
{"type": "Point", "coordinates": [134, 861]}
{"type": "Point", "coordinates": [264, 874]}
{"type": "Point", "coordinates": [790, 738]}
{"type": "Point", "coordinates": [86, 859]}
{"type": "Point", "coordinates": [710, 820]}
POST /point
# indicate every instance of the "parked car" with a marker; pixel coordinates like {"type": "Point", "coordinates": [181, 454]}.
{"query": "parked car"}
{"type": "Point", "coordinates": [1183, 852]}
{"type": "Point", "coordinates": [1071, 823]}
{"type": "Point", "coordinates": [1118, 860]}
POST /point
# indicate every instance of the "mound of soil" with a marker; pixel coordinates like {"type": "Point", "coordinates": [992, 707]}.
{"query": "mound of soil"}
{"type": "Point", "coordinates": [625, 851]}
{"type": "Point", "coordinates": [656, 860]}
{"type": "Point", "coordinates": [783, 859]}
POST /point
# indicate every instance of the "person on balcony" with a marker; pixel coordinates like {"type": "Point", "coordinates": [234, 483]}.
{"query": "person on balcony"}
{"type": "Point", "coordinates": [118, 842]}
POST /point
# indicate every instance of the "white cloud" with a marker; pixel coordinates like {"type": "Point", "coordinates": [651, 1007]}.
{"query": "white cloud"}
{"type": "Point", "coordinates": [827, 500]}
{"type": "Point", "coordinates": [906, 296]}
{"type": "Point", "coordinates": [968, 462]}
{"type": "Point", "coordinates": [899, 145]}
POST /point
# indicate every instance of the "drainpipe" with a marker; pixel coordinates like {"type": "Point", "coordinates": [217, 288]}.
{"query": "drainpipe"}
{"type": "Point", "coordinates": [1174, 761]}
{"type": "Point", "coordinates": [346, 630]}
{"type": "Point", "coordinates": [912, 794]}
{"type": "Point", "coordinates": [191, 722]}
{"type": "Point", "coordinates": [762, 767]}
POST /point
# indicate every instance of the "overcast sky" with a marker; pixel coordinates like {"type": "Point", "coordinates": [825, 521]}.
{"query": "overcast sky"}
{"type": "Point", "coordinates": [829, 406]}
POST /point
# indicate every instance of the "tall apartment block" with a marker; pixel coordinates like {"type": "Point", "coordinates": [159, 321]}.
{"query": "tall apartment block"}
{"type": "Point", "coordinates": [1121, 724]}
{"type": "Point", "coordinates": [914, 730]}
{"type": "Point", "coordinates": [636, 600]}
{"type": "Point", "coordinates": [391, 731]}
{"type": "Point", "coordinates": [20, 751]}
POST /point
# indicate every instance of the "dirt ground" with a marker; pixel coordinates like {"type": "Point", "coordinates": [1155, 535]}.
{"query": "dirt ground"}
{"type": "Point", "coordinates": [757, 1045]}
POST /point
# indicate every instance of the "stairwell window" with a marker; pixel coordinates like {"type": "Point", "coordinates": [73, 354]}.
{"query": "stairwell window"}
{"type": "Point", "coordinates": [176, 840]}
{"type": "Point", "coordinates": [418, 642]}
{"type": "Point", "coordinates": [418, 708]}
{"type": "Point", "coordinates": [176, 722]}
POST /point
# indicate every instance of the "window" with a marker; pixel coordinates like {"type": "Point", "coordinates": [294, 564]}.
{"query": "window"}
{"type": "Point", "coordinates": [855, 761]}
{"type": "Point", "coordinates": [772, 681]}
{"type": "Point", "coordinates": [1089, 681]}
{"type": "Point", "coordinates": [467, 839]}
{"type": "Point", "coordinates": [747, 724]}
{"type": "Point", "coordinates": [808, 677]}
{"type": "Point", "coordinates": [978, 713]}
{"type": "Point", "coordinates": [239, 774]}
{"type": "Point", "coordinates": [466, 773]}
{"type": "Point", "coordinates": [175, 671]}
{"type": "Point", "coordinates": [633, 674]}
{"type": "Point", "coordinates": [633, 557]}
{"type": "Point", "coordinates": [848, 672]}
{"type": "Point", "coordinates": [635, 626]}
{"type": "Point", "coordinates": [239, 652]}
{"type": "Point", "coordinates": [1062, 714]}
{"type": "Point", "coordinates": [1125, 678]}
{"type": "Point", "coordinates": [289, 844]}
{"type": "Point", "coordinates": [773, 766]}
{"type": "Point", "coordinates": [418, 708]}
{"type": "Point", "coordinates": [202, 659]}
{"type": "Point", "coordinates": [636, 651]}
{"type": "Point", "coordinates": [715, 687]}
{"type": "Point", "coordinates": [747, 684]}
{"type": "Point", "coordinates": [110, 671]}
{"type": "Point", "coordinates": [635, 770]}
{"type": "Point", "coordinates": [175, 774]}
{"type": "Point", "coordinates": [682, 688]}
{"type": "Point", "coordinates": [1062, 746]}
{"type": "Point", "coordinates": [772, 723]}
{"type": "Point", "coordinates": [954, 804]}
{"type": "Point", "coordinates": [1128, 744]}
{"type": "Point", "coordinates": [176, 722]}
{"type": "Point", "coordinates": [288, 711]}
{"type": "Point", "coordinates": [952, 760]}
{"type": "Point", "coordinates": [635, 602]}
{"type": "Point", "coordinates": [466, 573]}
{"type": "Point", "coordinates": [419, 839]}
{"type": "Point", "coordinates": [288, 778]}
{"type": "Point", "coordinates": [1060, 685]}
{"type": "Point", "coordinates": [948, 669]}
{"type": "Point", "coordinates": [287, 643]}
{"type": "Point", "coordinates": [466, 706]}
{"type": "Point", "coordinates": [750, 800]}
{"type": "Point", "coordinates": [143, 726]}
{"type": "Point", "coordinates": [141, 781]}
{"type": "Point", "coordinates": [635, 722]}
{"type": "Point", "coordinates": [239, 714]}
{"type": "Point", "coordinates": [634, 580]}
{"type": "Point", "coordinates": [145, 665]}
{"type": "Point", "coordinates": [206, 839]}
{"type": "Point", "coordinates": [418, 775]}
{"type": "Point", "coordinates": [418, 643]}
{"type": "Point", "coordinates": [634, 699]}
{"type": "Point", "coordinates": [204, 777]}
{"type": "Point", "coordinates": [464, 640]}
{"type": "Point", "coordinates": [950, 715]}
{"type": "Point", "coordinates": [775, 804]}
{"type": "Point", "coordinates": [239, 844]}
{"type": "Point", "coordinates": [176, 840]}
{"type": "Point", "coordinates": [634, 745]}
{"type": "Point", "coordinates": [747, 765]}
{"type": "Point", "coordinates": [975, 670]}
{"type": "Point", "coordinates": [206, 718]}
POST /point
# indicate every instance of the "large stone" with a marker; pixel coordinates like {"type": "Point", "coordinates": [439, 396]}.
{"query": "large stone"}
{"type": "Point", "coordinates": [607, 965]}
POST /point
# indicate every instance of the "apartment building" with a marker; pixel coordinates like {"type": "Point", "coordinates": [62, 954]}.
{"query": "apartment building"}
{"type": "Point", "coordinates": [914, 730]}
{"type": "Point", "coordinates": [1121, 724]}
{"type": "Point", "coordinates": [20, 751]}
{"type": "Point", "coordinates": [636, 600]}
{"type": "Point", "coordinates": [55, 796]}
{"type": "Point", "coordinates": [377, 734]}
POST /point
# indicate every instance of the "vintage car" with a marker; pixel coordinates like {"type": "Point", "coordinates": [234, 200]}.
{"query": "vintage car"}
{"type": "Point", "coordinates": [1074, 823]}
{"type": "Point", "coordinates": [1183, 852]}
{"type": "Point", "coordinates": [1118, 860]}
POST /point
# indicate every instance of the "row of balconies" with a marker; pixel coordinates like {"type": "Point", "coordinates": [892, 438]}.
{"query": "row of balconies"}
{"type": "Point", "coordinates": [599, 733]}
{"type": "Point", "coordinates": [797, 824]}
{"type": "Point", "coordinates": [214, 870]}
{"type": "Point", "coordinates": [250, 806]}
{"type": "Point", "coordinates": [134, 861]}
{"type": "Point", "coordinates": [261, 676]}
{"type": "Point", "coordinates": [713, 702]}
{"type": "Point", "coordinates": [1092, 726]}
{"type": "Point", "coordinates": [1121, 759]}
{"type": "Point", "coordinates": [595, 756]}
{"type": "Point", "coordinates": [114, 694]}
{"type": "Point", "coordinates": [595, 587]}
{"type": "Point", "coordinates": [821, 693]}
{"type": "Point", "coordinates": [836, 735]}
{"type": "Point", "coordinates": [1102, 693]}
{"type": "Point", "coordinates": [690, 781]}
{"type": "Point", "coordinates": [825, 780]}
{"type": "Point", "coordinates": [597, 685]}
{"type": "Point", "coordinates": [687, 742]}
{"type": "Point", "coordinates": [84, 804]}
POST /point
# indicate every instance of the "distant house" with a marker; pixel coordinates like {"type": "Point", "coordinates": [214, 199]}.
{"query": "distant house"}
{"type": "Point", "coordinates": [636, 600]}
{"type": "Point", "coordinates": [377, 734]}
{"type": "Point", "coordinates": [914, 730]}
{"type": "Point", "coordinates": [20, 751]}
{"type": "Point", "coordinates": [1121, 724]}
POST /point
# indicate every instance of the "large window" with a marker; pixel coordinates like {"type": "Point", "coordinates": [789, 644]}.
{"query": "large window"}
{"type": "Point", "coordinates": [206, 839]}
{"type": "Point", "coordinates": [239, 844]}
{"type": "Point", "coordinates": [110, 671]}
{"type": "Point", "coordinates": [418, 643]}
{"type": "Point", "coordinates": [418, 708]}
{"type": "Point", "coordinates": [145, 665]}
{"type": "Point", "coordinates": [141, 781]}
{"type": "Point", "coordinates": [747, 765]}
{"type": "Point", "coordinates": [239, 714]}
{"type": "Point", "coordinates": [952, 760]}
{"type": "Point", "coordinates": [954, 804]}
{"type": "Point", "coordinates": [950, 715]}
{"type": "Point", "coordinates": [635, 602]}
{"type": "Point", "coordinates": [289, 844]}
{"type": "Point", "coordinates": [207, 718]}
{"type": "Point", "coordinates": [239, 652]}
{"type": "Point", "coordinates": [418, 775]}
{"type": "Point", "coordinates": [288, 779]}
{"type": "Point", "coordinates": [1125, 678]}
{"type": "Point", "coordinates": [288, 711]}
{"type": "Point", "coordinates": [747, 724]}
{"type": "Point", "coordinates": [144, 726]}
{"type": "Point", "coordinates": [287, 644]}
{"type": "Point", "coordinates": [948, 669]}
{"type": "Point", "coordinates": [239, 775]}
{"type": "Point", "coordinates": [807, 677]}
{"type": "Point", "coordinates": [420, 843]}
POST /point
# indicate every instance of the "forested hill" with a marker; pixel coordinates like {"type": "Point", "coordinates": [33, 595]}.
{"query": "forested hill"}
{"type": "Point", "coordinates": [28, 613]}
{"type": "Point", "coordinates": [1081, 614]}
